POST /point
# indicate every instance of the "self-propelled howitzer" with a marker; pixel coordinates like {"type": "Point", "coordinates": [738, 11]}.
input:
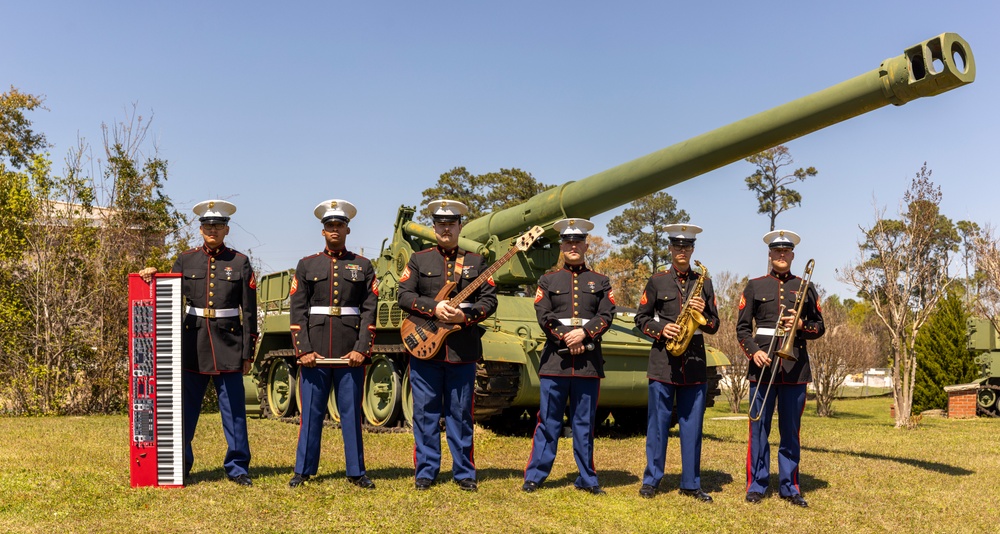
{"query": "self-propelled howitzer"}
{"type": "Point", "coordinates": [507, 383]}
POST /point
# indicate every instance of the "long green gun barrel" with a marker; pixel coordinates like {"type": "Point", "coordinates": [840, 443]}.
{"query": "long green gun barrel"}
{"type": "Point", "coordinates": [925, 69]}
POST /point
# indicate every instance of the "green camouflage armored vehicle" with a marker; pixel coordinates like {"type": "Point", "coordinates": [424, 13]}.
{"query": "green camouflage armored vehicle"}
{"type": "Point", "coordinates": [986, 338]}
{"type": "Point", "coordinates": [507, 381]}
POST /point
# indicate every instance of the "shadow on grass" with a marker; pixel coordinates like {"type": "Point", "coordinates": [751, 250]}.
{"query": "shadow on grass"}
{"type": "Point", "coordinates": [711, 481]}
{"type": "Point", "coordinates": [212, 474]}
{"type": "Point", "coordinates": [611, 478]}
{"type": "Point", "coordinates": [936, 467]}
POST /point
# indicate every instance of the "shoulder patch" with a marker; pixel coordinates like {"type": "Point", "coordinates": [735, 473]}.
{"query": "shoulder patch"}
{"type": "Point", "coordinates": [375, 286]}
{"type": "Point", "coordinates": [406, 274]}
{"type": "Point", "coordinates": [743, 301]}
{"type": "Point", "coordinates": [611, 295]}
{"type": "Point", "coordinates": [643, 300]}
{"type": "Point", "coordinates": [253, 280]}
{"type": "Point", "coordinates": [818, 308]}
{"type": "Point", "coordinates": [491, 282]}
{"type": "Point", "coordinates": [539, 294]}
{"type": "Point", "coordinates": [295, 285]}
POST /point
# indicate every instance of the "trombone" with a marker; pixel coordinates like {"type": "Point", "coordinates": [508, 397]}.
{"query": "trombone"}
{"type": "Point", "coordinates": [774, 371]}
{"type": "Point", "coordinates": [786, 352]}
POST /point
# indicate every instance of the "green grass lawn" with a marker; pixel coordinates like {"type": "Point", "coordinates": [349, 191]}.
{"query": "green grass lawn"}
{"type": "Point", "coordinates": [859, 474]}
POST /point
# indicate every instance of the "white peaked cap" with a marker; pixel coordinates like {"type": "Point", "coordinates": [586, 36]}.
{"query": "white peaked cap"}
{"type": "Point", "coordinates": [447, 209]}
{"type": "Point", "coordinates": [686, 232]}
{"type": "Point", "coordinates": [214, 209]}
{"type": "Point", "coordinates": [782, 239]}
{"type": "Point", "coordinates": [573, 228]}
{"type": "Point", "coordinates": [335, 208]}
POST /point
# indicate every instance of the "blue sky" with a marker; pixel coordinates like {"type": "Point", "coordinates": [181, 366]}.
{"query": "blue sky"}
{"type": "Point", "coordinates": [278, 106]}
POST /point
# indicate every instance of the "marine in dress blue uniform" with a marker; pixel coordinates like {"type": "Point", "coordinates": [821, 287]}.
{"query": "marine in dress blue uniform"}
{"type": "Point", "coordinates": [332, 300]}
{"type": "Point", "coordinates": [574, 306]}
{"type": "Point", "coordinates": [755, 327]}
{"type": "Point", "coordinates": [443, 385]}
{"type": "Point", "coordinates": [683, 377]}
{"type": "Point", "coordinates": [220, 332]}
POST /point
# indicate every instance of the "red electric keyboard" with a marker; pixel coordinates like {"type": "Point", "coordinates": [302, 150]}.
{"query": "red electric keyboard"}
{"type": "Point", "coordinates": [154, 390]}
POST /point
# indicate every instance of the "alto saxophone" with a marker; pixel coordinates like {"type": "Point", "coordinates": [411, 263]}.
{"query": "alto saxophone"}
{"type": "Point", "coordinates": [689, 319]}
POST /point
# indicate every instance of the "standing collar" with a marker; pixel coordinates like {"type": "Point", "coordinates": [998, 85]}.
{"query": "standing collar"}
{"type": "Point", "coordinates": [576, 268]}
{"type": "Point", "coordinates": [448, 253]}
{"type": "Point", "coordinates": [784, 277]}
{"type": "Point", "coordinates": [335, 253]}
{"type": "Point", "coordinates": [210, 252]}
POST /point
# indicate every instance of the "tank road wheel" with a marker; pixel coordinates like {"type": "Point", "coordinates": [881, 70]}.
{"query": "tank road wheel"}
{"type": "Point", "coordinates": [407, 398]}
{"type": "Point", "coordinates": [383, 383]}
{"type": "Point", "coordinates": [331, 401]}
{"type": "Point", "coordinates": [986, 400]}
{"type": "Point", "coordinates": [331, 406]}
{"type": "Point", "coordinates": [281, 388]}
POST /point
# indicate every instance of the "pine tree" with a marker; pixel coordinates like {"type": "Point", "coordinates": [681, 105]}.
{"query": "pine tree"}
{"type": "Point", "coordinates": [943, 355]}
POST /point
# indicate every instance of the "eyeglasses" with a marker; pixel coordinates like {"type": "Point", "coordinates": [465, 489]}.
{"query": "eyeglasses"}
{"type": "Point", "coordinates": [213, 227]}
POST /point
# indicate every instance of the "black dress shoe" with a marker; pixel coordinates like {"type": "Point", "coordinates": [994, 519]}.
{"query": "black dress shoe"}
{"type": "Point", "coordinates": [242, 480]}
{"type": "Point", "coordinates": [754, 497]}
{"type": "Point", "coordinates": [596, 490]}
{"type": "Point", "coordinates": [424, 484]}
{"type": "Point", "coordinates": [529, 486]}
{"type": "Point", "coordinates": [796, 499]}
{"type": "Point", "coordinates": [467, 484]}
{"type": "Point", "coordinates": [362, 482]}
{"type": "Point", "coordinates": [647, 491]}
{"type": "Point", "coordinates": [297, 480]}
{"type": "Point", "coordinates": [697, 494]}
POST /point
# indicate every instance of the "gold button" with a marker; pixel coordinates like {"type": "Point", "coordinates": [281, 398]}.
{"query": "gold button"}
{"type": "Point", "coordinates": [212, 284]}
{"type": "Point", "coordinates": [211, 293]}
{"type": "Point", "coordinates": [335, 267]}
{"type": "Point", "coordinates": [335, 292]}
{"type": "Point", "coordinates": [334, 260]}
{"type": "Point", "coordinates": [336, 301]}
{"type": "Point", "coordinates": [335, 275]}
{"type": "Point", "coordinates": [315, 278]}
{"type": "Point", "coordinates": [336, 283]}
{"type": "Point", "coordinates": [575, 304]}
{"type": "Point", "coordinates": [210, 303]}
{"type": "Point", "coordinates": [576, 313]}
{"type": "Point", "coordinates": [212, 275]}
{"type": "Point", "coordinates": [211, 260]}
{"type": "Point", "coordinates": [213, 267]}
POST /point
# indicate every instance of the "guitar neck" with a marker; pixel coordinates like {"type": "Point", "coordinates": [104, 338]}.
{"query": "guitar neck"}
{"type": "Point", "coordinates": [483, 277]}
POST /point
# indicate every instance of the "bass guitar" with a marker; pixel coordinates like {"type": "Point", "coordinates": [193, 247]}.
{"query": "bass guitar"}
{"type": "Point", "coordinates": [424, 337]}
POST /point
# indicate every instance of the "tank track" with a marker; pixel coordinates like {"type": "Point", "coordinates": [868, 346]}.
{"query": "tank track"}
{"type": "Point", "coordinates": [497, 384]}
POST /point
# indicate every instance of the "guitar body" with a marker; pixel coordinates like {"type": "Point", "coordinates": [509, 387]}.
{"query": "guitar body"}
{"type": "Point", "coordinates": [423, 337]}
